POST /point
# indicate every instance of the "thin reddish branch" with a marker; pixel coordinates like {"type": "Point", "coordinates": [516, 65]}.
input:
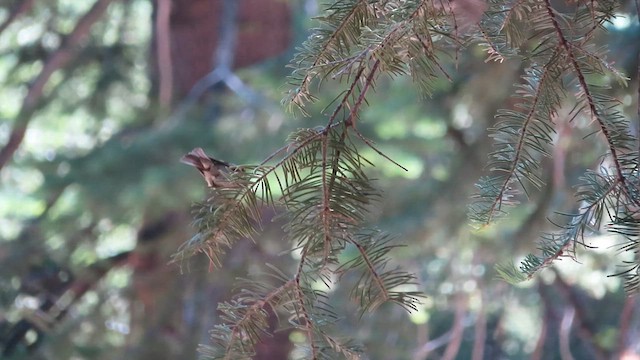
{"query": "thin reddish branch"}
{"type": "Point", "coordinates": [252, 310]}
{"type": "Point", "coordinates": [350, 121]}
{"type": "Point", "coordinates": [453, 347]}
{"type": "Point", "coordinates": [305, 81]}
{"type": "Point", "coordinates": [344, 101]}
{"type": "Point", "coordinates": [19, 9]}
{"type": "Point", "coordinates": [522, 140]}
{"type": "Point", "coordinates": [374, 274]}
{"type": "Point", "coordinates": [326, 194]}
{"type": "Point", "coordinates": [565, 333]}
{"type": "Point", "coordinates": [59, 59]}
{"type": "Point", "coordinates": [327, 186]}
{"type": "Point", "coordinates": [308, 324]}
{"type": "Point", "coordinates": [587, 92]}
{"type": "Point", "coordinates": [480, 331]}
{"type": "Point", "coordinates": [370, 144]}
{"type": "Point", "coordinates": [583, 327]}
{"type": "Point", "coordinates": [624, 325]}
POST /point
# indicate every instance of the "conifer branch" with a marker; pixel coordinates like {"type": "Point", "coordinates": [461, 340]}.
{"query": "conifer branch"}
{"type": "Point", "coordinates": [323, 50]}
{"type": "Point", "coordinates": [302, 308]}
{"type": "Point", "coordinates": [333, 38]}
{"type": "Point", "coordinates": [523, 138]}
{"type": "Point", "coordinates": [562, 44]}
{"type": "Point", "coordinates": [334, 168]}
{"type": "Point", "coordinates": [325, 192]}
{"type": "Point", "coordinates": [350, 121]}
{"type": "Point", "coordinates": [246, 324]}
{"type": "Point", "coordinates": [372, 269]}
{"type": "Point", "coordinates": [585, 89]}
{"type": "Point", "coordinates": [372, 146]}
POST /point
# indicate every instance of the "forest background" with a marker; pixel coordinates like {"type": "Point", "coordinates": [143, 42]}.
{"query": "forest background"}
{"type": "Point", "coordinates": [99, 100]}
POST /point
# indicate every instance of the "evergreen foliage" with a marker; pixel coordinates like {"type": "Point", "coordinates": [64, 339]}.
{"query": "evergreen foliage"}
{"type": "Point", "coordinates": [564, 67]}
{"type": "Point", "coordinates": [319, 180]}
{"type": "Point", "coordinates": [320, 184]}
{"type": "Point", "coordinates": [94, 196]}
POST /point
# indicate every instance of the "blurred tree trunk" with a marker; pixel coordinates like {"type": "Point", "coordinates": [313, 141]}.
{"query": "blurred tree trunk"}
{"type": "Point", "coordinates": [263, 31]}
{"type": "Point", "coordinates": [161, 326]}
{"type": "Point", "coordinates": [173, 312]}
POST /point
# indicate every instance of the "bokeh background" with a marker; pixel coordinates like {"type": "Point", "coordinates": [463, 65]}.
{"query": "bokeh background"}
{"type": "Point", "coordinates": [100, 99]}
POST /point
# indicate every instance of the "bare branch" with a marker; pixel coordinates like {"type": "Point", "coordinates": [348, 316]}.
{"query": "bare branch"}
{"type": "Point", "coordinates": [458, 327]}
{"type": "Point", "coordinates": [480, 330]}
{"type": "Point", "coordinates": [163, 47]}
{"type": "Point", "coordinates": [59, 59]}
{"type": "Point", "coordinates": [626, 324]}
{"type": "Point", "coordinates": [19, 9]}
{"type": "Point", "coordinates": [565, 333]}
{"type": "Point", "coordinates": [580, 315]}
{"type": "Point", "coordinates": [223, 57]}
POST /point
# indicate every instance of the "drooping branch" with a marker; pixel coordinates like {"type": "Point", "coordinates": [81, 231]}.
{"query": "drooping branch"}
{"type": "Point", "coordinates": [249, 313]}
{"type": "Point", "coordinates": [322, 54]}
{"type": "Point", "coordinates": [522, 143]}
{"type": "Point", "coordinates": [59, 59]}
{"type": "Point", "coordinates": [596, 114]}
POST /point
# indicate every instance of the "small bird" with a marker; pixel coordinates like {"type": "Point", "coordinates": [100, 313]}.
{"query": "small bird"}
{"type": "Point", "coordinates": [214, 171]}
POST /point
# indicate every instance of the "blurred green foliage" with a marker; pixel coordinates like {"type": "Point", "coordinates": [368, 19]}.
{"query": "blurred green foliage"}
{"type": "Point", "coordinates": [100, 159]}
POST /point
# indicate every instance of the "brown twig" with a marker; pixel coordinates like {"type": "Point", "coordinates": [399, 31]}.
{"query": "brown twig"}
{"type": "Point", "coordinates": [548, 317]}
{"type": "Point", "coordinates": [372, 269]}
{"type": "Point", "coordinates": [624, 325]}
{"type": "Point", "coordinates": [370, 144]}
{"type": "Point", "coordinates": [327, 186]}
{"type": "Point", "coordinates": [308, 324]}
{"type": "Point", "coordinates": [520, 149]}
{"type": "Point", "coordinates": [255, 308]}
{"type": "Point", "coordinates": [59, 59]}
{"type": "Point", "coordinates": [586, 90]}
{"type": "Point", "coordinates": [345, 98]}
{"type": "Point", "coordinates": [480, 331]}
{"type": "Point", "coordinates": [565, 333]}
{"type": "Point", "coordinates": [350, 121]}
{"type": "Point", "coordinates": [581, 318]}
{"type": "Point", "coordinates": [19, 9]}
{"type": "Point", "coordinates": [423, 351]}
{"type": "Point", "coordinates": [304, 84]}
{"type": "Point", "coordinates": [458, 327]}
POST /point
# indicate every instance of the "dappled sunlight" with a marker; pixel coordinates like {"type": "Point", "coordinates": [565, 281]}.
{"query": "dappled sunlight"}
{"type": "Point", "coordinates": [409, 182]}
